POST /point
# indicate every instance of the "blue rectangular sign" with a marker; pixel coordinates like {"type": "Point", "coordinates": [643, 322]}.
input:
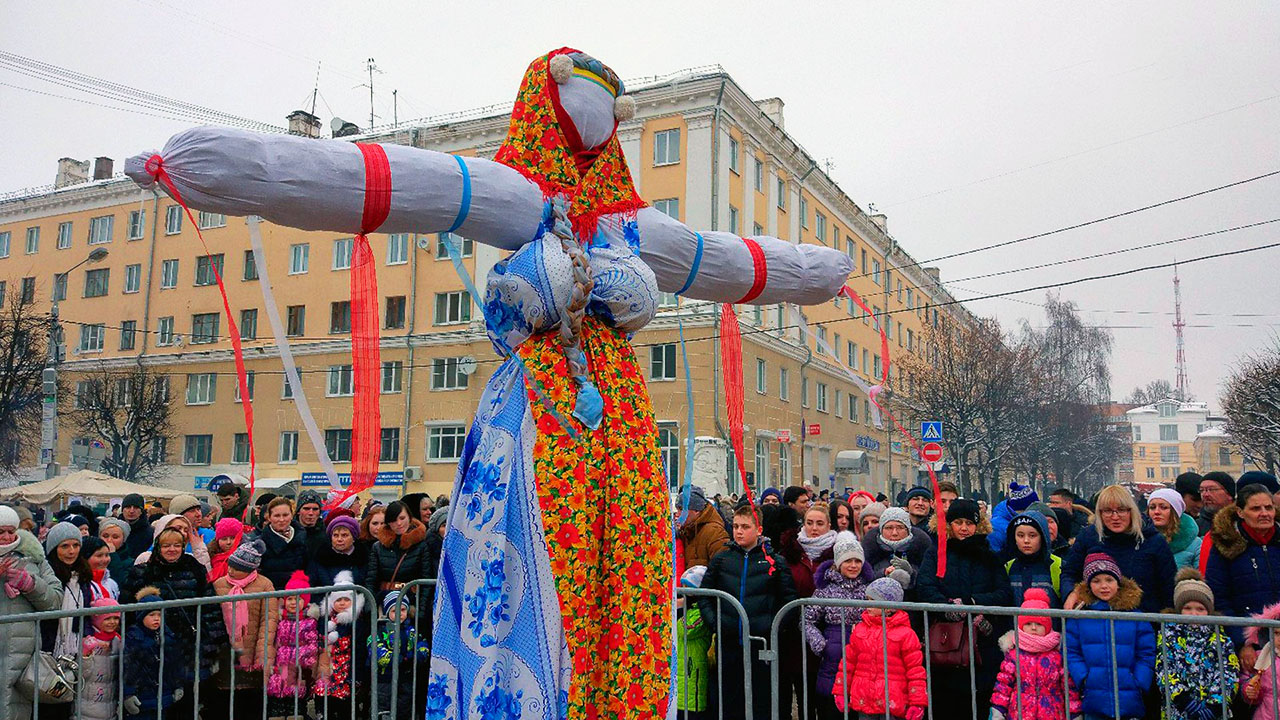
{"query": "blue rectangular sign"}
{"type": "Point", "coordinates": [383, 478]}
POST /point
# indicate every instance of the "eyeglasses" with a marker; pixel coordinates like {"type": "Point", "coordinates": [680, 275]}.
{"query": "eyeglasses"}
{"type": "Point", "coordinates": [1115, 511]}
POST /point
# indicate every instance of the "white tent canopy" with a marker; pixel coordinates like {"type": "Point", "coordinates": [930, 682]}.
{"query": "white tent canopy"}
{"type": "Point", "coordinates": [83, 484]}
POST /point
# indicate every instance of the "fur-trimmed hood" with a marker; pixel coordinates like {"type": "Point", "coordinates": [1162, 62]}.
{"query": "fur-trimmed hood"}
{"type": "Point", "coordinates": [416, 533]}
{"type": "Point", "coordinates": [1129, 597]}
{"type": "Point", "coordinates": [1227, 538]}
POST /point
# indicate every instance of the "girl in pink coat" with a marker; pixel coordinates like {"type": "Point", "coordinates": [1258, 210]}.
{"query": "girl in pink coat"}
{"type": "Point", "coordinates": [860, 680]}
{"type": "Point", "coordinates": [1030, 683]}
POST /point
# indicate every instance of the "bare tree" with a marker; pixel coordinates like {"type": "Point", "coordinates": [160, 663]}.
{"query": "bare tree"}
{"type": "Point", "coordinates": [23, 348]}
{"type": "Point", "coordinates": [131, 412]}
{"type": "Point", "coordinates": [1251, 403]}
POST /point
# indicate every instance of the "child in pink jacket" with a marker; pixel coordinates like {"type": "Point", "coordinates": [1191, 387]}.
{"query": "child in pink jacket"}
{"type": "Point", "coordinates": [860, 679]}
{"type": "Point", "coordinates": [1030, 683]}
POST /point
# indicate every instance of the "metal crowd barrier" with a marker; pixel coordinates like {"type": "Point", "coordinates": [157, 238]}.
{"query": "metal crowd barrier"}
{"type": "Point", "coordinates": [923, 611]}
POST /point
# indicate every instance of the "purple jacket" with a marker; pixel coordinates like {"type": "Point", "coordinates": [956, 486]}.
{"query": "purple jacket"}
{"type": "Point", "coordinates": [827, 628]}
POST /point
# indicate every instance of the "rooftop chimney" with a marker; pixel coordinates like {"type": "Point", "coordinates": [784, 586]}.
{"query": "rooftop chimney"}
{"type": "Point", "coordinates": [304, 123]}
{"type": "Point", "coordinates": [102, 167]}
{"type": "Point", "coordinates": [71, 172]}
{"type": "Point", "coordinates": [772, 108]}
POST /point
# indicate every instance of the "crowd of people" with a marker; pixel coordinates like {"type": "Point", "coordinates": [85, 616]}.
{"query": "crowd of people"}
{"type": "Point", "coordinates": [303, 655]}
{"type": "Point", "coordinates": [1206, 546]}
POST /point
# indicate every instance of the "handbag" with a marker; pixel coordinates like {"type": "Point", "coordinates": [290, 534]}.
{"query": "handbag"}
{"type": "Point", "coordinates": [949, 644]}
{"type": "Point", "coordinates": [49, 679]}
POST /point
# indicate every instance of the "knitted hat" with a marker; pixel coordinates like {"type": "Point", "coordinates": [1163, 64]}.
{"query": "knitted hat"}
{"type": "Point", "coordinates": [1171, 496]}
{"type": "Point", "coordinates": [299, 581]}
{"type": "Point", "coordinates": [59, 534]}
{"type": "Point", "coordinates": [697, 499]}
{"type": "Point", "coordinates": [965, 509]}
{"type": "Point", "coordinates": [847, 547]}
{"type": "Point", "coordinates": [105, 601]}
{"type": "Point", "coordinates": [133, 500]}
{"type": "Point", "coordinates": [775, 492]}
{"type": "Point", "coordinates": [1191, 586]}
{"type": "Point", "coordinates": [1021, 496]}
{"type": "Point", "coordinates": [8, 517]}
{"type": "Point", "coordinates": [107, 522]}
{"type": "Point", "coordinates": [343, 521]}
{"type": "Point", "coordinates": [248, 557]}
{"type": "Point", "coordinates": [1100, 563]}
{"type": "Point", "coordinates": [885, 589]}
{"type": "Point", "coordinates": [693, 576]}
{"type": "Point", "coordinates": [1034, 599]}
{"type": "Point", "coordinates": [228, 528]}
{"type": "Point", "coordinates": [875, 510]}
{"type": "Point", "coordinates": [182, 503]}
{"type": "Point", "coordinates": [1227, 482]}
{"type": "Point", "coordinates": [1258, 477]}
{"type": "Point", "coordinates": [920, 491]}
{"type": "Point", "coordinates": [309, 497]}
{"type": "Point", "coordinates": [91, 544]}
{"type": "Point", "coordinates": [895, 514]}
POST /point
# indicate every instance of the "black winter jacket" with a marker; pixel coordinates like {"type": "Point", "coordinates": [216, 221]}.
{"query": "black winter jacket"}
{"type": "Point", "coordinates": [408, 551]}
{"type": "Point", "coordinates": [326, 563]}
{"type": "Point", "coordinates": [282, 557]}
{"type": "Point", "coordinates": [761, 586]}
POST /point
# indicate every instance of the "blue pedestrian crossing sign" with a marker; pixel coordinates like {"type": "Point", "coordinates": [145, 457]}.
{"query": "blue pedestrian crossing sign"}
{"type": "Point", "coordinates": [931, 431]}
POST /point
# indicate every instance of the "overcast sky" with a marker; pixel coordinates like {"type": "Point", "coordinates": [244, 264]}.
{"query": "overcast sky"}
{"type": "Point", "coordinates": [967, 125]}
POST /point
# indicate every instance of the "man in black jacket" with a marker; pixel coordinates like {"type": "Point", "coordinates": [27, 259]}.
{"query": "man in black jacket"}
{"type": "Point", "coordinates": [761, 582]}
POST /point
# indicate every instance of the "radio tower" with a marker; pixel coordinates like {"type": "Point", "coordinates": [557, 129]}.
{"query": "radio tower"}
{"type": "Point", "coordinates": [1178, 324]}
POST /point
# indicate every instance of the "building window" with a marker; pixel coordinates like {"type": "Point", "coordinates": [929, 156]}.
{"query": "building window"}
{"type": "Point", "coordinates": [668, 206]}
{"type": "Point", "coordinates": [240, 449]}
{"type": "Point", "coordinates": [173, 220]}
{"type": "Point", "coordinates": [33, 240]}
{"type": "Point", "coordinates": [341, 381]}
{"type": "Point", "coordinates": [92, 337]}
{"type": "Point", "coordinates": [4, 244]}
{"type": "Point", "coordinates": [782, 194]}
{"type": "Point", "coordinates": [446, 374]}
{"type": "Point", "coordinates": [202, 388]}
{"type": "Point", "coordinates": [735, 151]}
{"type": "Point", "coordinates": [1169, 432]}
{"type": "Point", "coordinates": [128, 334]}
{"type": "Point", "coordinates": [392, 376]}
{"type": "Point", "coordinates": [669, 447]}
{"type": "Point", "coordinates": [804, 392]}
{"type": "Point", "coordinates": [299, 258]}
{"type": "Point", "coordinates": [249, 324]}
{"type": "Point", "coordinates": [1224, 455]}
{"type": "Point", "coordinates": [296, 323]}
{"type": "Point", "coordinates": [100, 229]}
{"type": "Point", "coordinates": [784, 464]}
{"type": "Point", "coordinates": [164, 331]}
{"type": "Point", "coordinates": [452, 308]}
{"type": "Point", "coordinates": [395, 312]}
{"type": "Point", "coordinates": [342, 253]}
{"type": "Point", "coordinates": [340, 317]}
{"type": "Point", "coordinates": [137, 224]}
{"type": "Point", "coordinates": [204, 328]}
{"type": "Point", "coordinates": [444, 442]}
{"type": "Point", "coordinates": [464, 246]}
{"type": "Point", "coordinates": [337, 443]}
{"type": "Point", "coordinates": [762, 462]}
{"type": "Point", "coordinates": [1168, 454]}
{"type": "Point", "coordinates": [289, 446]}
{"type": "Point", "coordinates": [390, 447]}
{"type": "Point", "coordinates": [762, 385]}
{"type": "Point", "coordinates": [208, 269]}
{"type": "Point", "coordinates": [662, 362]}
{"type": "Point", "coordinates": [197, 450]}
{"type": "Point", "coordinates": [133, 278]}
{"type": "Point", "coordinates": [666, 147]}
{"type": "Point", "coordinates": [398, 248]}
{"type": "Point", "coordinates": [208, 220]}
{"type": "Point", "coordinates": [759, 175]}
{"type": "Point", "coordinates": [168, 274]}
{"type": "Point", "coordinates": [250, 267]}
{"type": "Point", "coordinates": [822, 397]}
{"type": "Point", "coordinates": [734, 222]}
{"type": "Point", "coordinates": [784, 385]}
{"type": "Point", "coordinates": [59, 287]}
{"type": "Point", "coordinates": [249, 377]}
{"type": "Point", "coordinates": [64, 235]}
{"type": "Point", "coordinates": [96, 282]}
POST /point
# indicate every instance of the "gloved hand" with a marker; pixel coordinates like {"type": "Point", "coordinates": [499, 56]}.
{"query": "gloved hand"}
{"type": "Point", "coordinates": [996, 713]}
{"type": "Point", "coordinates": [178, 694]}
{"type": "Point", "coordinates": [132, 706]}
{"type": "Point", "coordinates": [19, 581]}
{"type": "Point", "coordinates": [915, 712]}
{"type": "Point", "coordinates": [901, 564]}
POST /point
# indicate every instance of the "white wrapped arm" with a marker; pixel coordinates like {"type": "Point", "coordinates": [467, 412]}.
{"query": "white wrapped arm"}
{"type": "Point", "coordinates": [803, 274]}
{"type": "Point", "coordinates": [320, 185]}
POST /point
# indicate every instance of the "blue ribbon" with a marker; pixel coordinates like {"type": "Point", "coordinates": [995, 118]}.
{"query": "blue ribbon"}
{"type": "Point", "coordinates": [464, 208]}
{"type": "Point", "coordinates": [693, 269]}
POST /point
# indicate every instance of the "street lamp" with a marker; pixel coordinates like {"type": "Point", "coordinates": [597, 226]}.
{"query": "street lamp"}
{"type": "Point", "coordinates": [49, 378]}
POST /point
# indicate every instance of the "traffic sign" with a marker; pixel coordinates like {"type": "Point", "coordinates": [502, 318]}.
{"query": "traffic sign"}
{"type": "Point", "coordinates": [784, 436]}
{"type": "Point", "coordinates": [931, 430]}
{"type": "Point", "coordinates": [815, 430]}
{"type": "Point", "coordinates": [931, 452]}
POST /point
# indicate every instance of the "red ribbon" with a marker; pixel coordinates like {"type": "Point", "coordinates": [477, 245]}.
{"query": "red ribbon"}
{"type": "Point", "coordinates": [155, 167]}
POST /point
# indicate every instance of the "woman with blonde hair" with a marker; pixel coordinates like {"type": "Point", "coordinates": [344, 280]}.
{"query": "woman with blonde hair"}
{"type": "Point", "coordinates": [1119, 530]}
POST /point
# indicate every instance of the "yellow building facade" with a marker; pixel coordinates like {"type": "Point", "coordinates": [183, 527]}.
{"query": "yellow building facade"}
{"type": "Point", "coordinates": [700, 149]}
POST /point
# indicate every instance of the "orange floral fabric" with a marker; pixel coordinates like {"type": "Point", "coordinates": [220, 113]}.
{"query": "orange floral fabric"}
{"type": "Point", "coordinates": [604, 512]}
